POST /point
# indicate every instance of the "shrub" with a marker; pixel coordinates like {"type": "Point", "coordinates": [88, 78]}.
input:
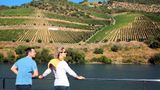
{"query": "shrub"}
{"type": "Point", "coordinates": [141, 39]}
{"type": "Point", "coordinates": [85, 49]}
{"type": "Point", "coordinates": [127, 61]}
{"type": "Point", "coordinates": [155, 59]}
{"type": "Point", "coordinates": [73, 56]}
{"type": "Point", "coordinates": [50, 41]}
{"type": "Point", "coordinates": [27, 40]}
{"type": "Point", "coordinates": [20, 50]}
{"type": "Point", "coordinates": [39, 41]}
{"type": "Point", "coordinates": [106, 40]}
{"type": "Point", "coordinates": [11, 57]}
{"type": "Point", "coordinates": [98, 51]}
{"type": "Point", "coordinates": [115, 48]}
{"type": "Point", "coordinates": [1, 57]}
{"type": "Point", "coordinates": [102, 59]}
{"type": "Point", "coordinates": [43, 56]}
{"type": "Point", "coordinates": [118, 40]}
{"type": "Point", "coordinates": [128, 40]}
{"type": "Point", "coordinates": [13, 40]}
{"type": "Point", "coordinates": [154, 44]}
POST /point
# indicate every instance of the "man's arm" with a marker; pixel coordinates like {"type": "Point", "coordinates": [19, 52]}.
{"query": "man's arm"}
{"type": "Point", "coordinates": [35, 73]}
{"type": "Point", "coordinates": [14, 69]}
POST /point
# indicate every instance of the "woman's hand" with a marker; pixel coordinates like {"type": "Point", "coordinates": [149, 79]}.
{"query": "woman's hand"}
{"type": "Point", "coordinates": [80, 77]}
{"type": "Point", "coordinates": [40, 77]}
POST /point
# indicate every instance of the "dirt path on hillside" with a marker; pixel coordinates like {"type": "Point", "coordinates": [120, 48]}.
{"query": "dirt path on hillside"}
{"type": "Point", "coordinates": [39, 17]}
{"type": "Point", "coordinates": [30, 27]}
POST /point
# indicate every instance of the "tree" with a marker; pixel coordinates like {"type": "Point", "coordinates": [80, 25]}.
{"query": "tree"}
{"type": "Point", "coordinates": [20, 50]}
{"type": "Point", "coordinates": [98, 51]}
{"type": "Point", "coordinates": [1, 57]}
{"type": "Point", "coordinates": [102, 59]}
{"type": "Point", "coordinates": [73, 56]}
{"type": "Point", "coordinates": [114, 48]}
{"type": "Point", "coordinates": [155, 59]}
{"type": "Point", "coordinates": [43, 56]}
{"type": "Point", "coordinates": [10, 57]}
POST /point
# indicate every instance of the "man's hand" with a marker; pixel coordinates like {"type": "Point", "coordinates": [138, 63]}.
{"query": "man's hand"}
{"type": "Point", "coordinates": [35, 73]}
{"type": "Point", "coordinates": [14, 69]}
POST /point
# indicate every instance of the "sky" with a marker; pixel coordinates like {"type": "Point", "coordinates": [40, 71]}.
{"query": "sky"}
{"type": "Point", "coordinates": [76, 1]}
{"type": "Point", "coordinates": [19, 2]}
{"type": "Point", "coordinates": [13, 2]}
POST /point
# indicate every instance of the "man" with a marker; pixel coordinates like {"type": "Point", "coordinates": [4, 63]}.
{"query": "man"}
{"type": "Point", "coordinates": [60, 68]}
{"type": "Point", "coordinates": [25, 69]}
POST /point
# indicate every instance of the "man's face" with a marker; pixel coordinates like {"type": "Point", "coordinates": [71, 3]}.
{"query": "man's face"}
{"type": "Point", "coordinates": [32, 53]}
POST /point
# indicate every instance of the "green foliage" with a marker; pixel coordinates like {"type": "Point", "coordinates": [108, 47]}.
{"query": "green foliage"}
{"type": "Point", "coordinates": [6, 21]}
{"type": "Point", "coordinates": [98, 51]}
{"type": "Point", "coordinates": [102, 59]}
{"type": "Point", "coordinates": [128, 61]}
{"type": "Point", "coordinates": [1, 57]}
{"type": "Point", "coordinates": [39, 41]}
{"type": "Point", "coordinates": [153, 16]}
{"type": "Point", "coordinates": [10, 35]}
{"type": "Point", "coordinates": [10, 57]}
{"type": "Point", "coordinates": [118, 10]}
{"type": "Point", "coordinates": [20, 50]}
{"type": "Point", "coordinates": [3, 7]}
{"type": "Point", "coordinates": [154, 44]}
{"type": "Point", "coordinates": [69, 36]}
{"type": "Point", "coordinates": [155, 59]}
{"type": "Point", "coordinates": [75, 57]}
{"type": "Point", "coordinates": [50, 41]}
{"type": "Point", "coordinates": [121, 21]}
{"type": "Point", "coordinates": [68, 25]}
{"type": "Point", "coordinates": [114, 48]}
{"type": "Point", "coordinates": [43, 56]}
{"type": "Point", "coordinates": [17, 12]}
{"type": "Point", "coordinates": [27, 40]}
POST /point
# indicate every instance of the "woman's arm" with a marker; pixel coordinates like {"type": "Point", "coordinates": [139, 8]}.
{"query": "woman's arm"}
{"type": "Point", "coordinates": [47, 71]}
{"type": "Point", "coordinates": [72, 73]}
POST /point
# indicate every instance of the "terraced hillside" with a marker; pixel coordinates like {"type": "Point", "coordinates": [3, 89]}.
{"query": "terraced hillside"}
{"type": "Point", "coordinates": [142, 28]}
{"type": "Point", "coordinates": [58, 21]}
{"type": "Point", "coordinates": [44, 26]}
{"type": "Point", "coordinates": [128, 27]}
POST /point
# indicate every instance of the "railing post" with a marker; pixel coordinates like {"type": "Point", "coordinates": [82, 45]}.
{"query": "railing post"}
{"type": "Point", "coordinates": [144, 84]}
{"type": "Point", "coordinates": [3, 83]}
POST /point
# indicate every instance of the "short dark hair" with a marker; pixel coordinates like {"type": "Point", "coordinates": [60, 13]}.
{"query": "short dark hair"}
{"type": "Point", "coordinates": [28, 50]}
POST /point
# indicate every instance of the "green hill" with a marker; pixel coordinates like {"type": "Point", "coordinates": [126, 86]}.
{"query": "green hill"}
{"type": "Point", "coordinates": [59, 21]}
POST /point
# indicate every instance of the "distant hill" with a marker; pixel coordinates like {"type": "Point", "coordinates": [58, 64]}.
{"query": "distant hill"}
{"type": "Point", "coordinates": [139, 1]}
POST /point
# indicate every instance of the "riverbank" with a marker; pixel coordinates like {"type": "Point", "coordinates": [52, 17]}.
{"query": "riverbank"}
{"type": "Point", "coordinates": [127, 52]}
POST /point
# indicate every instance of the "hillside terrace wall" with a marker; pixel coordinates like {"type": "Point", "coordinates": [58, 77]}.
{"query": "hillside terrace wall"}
{"type": "Point", "coordinates": [137, 7]}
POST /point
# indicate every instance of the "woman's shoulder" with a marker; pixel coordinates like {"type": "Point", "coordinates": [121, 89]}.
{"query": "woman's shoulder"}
{"type": "Point", "coordinates": [63, 62]}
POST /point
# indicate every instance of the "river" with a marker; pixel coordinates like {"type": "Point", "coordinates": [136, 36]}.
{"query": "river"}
{"type": "Point", "coordinates": [93, 72]}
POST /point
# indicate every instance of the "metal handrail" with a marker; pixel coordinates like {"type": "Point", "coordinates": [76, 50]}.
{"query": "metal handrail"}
{"type": "Point", "coordinates": [100, 79]}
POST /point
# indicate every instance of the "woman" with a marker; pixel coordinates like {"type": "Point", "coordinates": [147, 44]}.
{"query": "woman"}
{"type": "Point", "coordinates": [60, 68]}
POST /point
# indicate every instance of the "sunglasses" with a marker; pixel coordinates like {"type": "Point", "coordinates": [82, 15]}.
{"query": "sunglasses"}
{"type": "Point", "coordinates": [64, 52]}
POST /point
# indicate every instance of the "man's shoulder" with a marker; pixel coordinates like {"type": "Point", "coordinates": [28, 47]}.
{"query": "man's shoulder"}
{"type": "Point", "coordinates": [21, 59]}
